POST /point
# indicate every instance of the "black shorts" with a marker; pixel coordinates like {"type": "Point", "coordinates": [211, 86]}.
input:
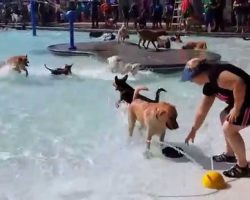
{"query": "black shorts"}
{"type": "Point", "coordinates": [244, 117]}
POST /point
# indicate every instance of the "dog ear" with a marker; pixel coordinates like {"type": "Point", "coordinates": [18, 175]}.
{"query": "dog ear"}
{"type": "Point", "coordinates": [125, 77]}
{"type": "Point", "coordinates": [116, 78]}
{"type": "Point", "coordinates": [160, 113]}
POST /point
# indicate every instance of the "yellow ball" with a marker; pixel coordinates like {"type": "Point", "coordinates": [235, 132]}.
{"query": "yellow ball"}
{"type": "Point", "coordinates": [213, 180]}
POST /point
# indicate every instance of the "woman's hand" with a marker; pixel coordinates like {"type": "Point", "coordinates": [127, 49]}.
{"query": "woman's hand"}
{"type": "Point", "coordinates": [233, 114]}
{"type": "Point", "coordinates": [191, 136]}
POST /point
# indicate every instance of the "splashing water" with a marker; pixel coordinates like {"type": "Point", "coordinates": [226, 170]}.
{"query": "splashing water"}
{"type": "Point", "coordinates": [61, 138]}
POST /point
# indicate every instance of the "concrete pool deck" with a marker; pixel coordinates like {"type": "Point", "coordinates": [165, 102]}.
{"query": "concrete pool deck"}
{"type": "Point", "coordinates": [162, 61]}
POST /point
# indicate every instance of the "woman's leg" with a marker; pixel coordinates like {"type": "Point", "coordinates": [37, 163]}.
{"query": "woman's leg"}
{"type": "Point", "coordinates": [237, 20]}
{"type": "Point", "coordinates": [229, 151]}
{"type": "Point", "coordinates": [236, 142]}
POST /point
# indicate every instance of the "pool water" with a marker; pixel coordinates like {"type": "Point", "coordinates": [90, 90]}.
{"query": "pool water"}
{"type": "Point", "coordinates": [63, 138]}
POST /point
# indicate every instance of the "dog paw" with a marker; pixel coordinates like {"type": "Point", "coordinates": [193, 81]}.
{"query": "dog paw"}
{"type": "Point", "coordinates": [147, 154]}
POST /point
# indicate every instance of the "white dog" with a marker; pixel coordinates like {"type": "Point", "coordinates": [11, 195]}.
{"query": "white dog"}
{"type": "Point", "coordinates": [122, 34]}
{"type": "Point", "coordinates": [117, 65]}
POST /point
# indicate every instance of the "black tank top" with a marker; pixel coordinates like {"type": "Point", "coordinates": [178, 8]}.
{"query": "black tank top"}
{"type": "Point", "coordinates": [225, 95]}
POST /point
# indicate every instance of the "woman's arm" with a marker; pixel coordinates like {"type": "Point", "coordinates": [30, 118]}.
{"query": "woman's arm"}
{"type": "Point", "coordinates": [202, 111]}
{"type": "Point", "coordinates": [200, 116]}
{"type": "Point", "coordinates": [230, 81]}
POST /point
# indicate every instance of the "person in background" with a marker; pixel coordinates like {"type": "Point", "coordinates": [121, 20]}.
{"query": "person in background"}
{"type": "Point", "coordinates": [95, 5]}
{"type": "Point", "coordinates": [231, 85]}
{"type": "Point", "coordinates": [218, 15]}
{"type": "Point", "coordinates": [157, 11]}
{"type": "Point", "coordinates": [209, 6]}
{"type": "Point", "coordinates": [134, 12]}
{"type": "Point", "coordinates": [240, 11]}
{"type": "Point", "coordinates": [142, 19]}
{"type": "Point", "coordinates": [106, 11]}
{"type": "Point", "coordinates": [115, 10]}
{"type": "Point", "coordinates": [168, 12]}
{"type": "Point", "coordinates": [125, 5]}
{"type": "Point", "coordinates": [79, 10]}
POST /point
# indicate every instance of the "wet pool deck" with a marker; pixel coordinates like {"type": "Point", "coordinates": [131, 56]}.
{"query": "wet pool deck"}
{"type": "Point", "coordinates": [161, 61]}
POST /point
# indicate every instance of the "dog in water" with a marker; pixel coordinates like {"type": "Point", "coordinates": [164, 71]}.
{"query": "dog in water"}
{"type": "Point", "coordinates": [155, 117]}
{"type": "Point", "coordinates": [150, 36]}
{"type": "Point", "coordinates": [122, 34]}
{"type": "Point", "coordinates": [117, 65]}
{"type": "Point", "coordinates": [19, 63]}
{"type": "Point", "coordinates": [61, 71]}
{"type": "Point", "coordinates": [163, 42]}
{"type": "Point", "coordinates": [195, 45]}
{"type": "Point", "coordinates": [127, 92]}
{"type": "Point", "coordinates": [176, 38]}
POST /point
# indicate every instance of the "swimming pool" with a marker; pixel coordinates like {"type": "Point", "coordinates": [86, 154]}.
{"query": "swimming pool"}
{"type": "Point", "coordinates": [63, 138]}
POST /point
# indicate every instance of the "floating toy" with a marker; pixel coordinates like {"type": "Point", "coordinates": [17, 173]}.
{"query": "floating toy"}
{"type": "Point", "coordinates": [213, 180]}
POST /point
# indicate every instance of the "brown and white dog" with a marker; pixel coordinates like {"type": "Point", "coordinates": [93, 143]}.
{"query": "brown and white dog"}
{"type": "Point", "coordinates": [195, 45]}
{"type": "Point", "coordinates": [150, 36]}
{"type": "Point", "coordinates": [122, 34]}
{"type": "Point", "coordinates": [19, 63]}
{"type": "Point", "coordinates": [155, 117]}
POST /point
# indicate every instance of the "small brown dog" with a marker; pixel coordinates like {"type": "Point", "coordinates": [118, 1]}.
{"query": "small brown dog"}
{"type": "Point", "coordinates": [195, 45]}
{"type": "Point", "coordinates": [150, 36]}
{"type": "Point", "coordinates": [155, 117]}
{"type": "Point", "coordinates": [19, 63]}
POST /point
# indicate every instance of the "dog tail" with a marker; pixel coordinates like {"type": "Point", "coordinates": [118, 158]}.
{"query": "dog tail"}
{"type": "Point", "coordinates": [137, 90]}
{"type": "Point", "coordinates": [157, 95]}
{"type": "Point", "coordinates": [47, 68]}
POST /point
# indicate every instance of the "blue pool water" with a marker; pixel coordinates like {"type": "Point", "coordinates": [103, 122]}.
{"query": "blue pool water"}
{"type": "Point", "coordinates": [63, 138]}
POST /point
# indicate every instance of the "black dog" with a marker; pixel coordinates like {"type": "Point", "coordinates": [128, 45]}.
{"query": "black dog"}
{"type": "Point", "coordinates": [95, 34]}
{"type": "Point", "coordinates": [127, 92]}
{"type": "Point", "coordinates": [60, 71]}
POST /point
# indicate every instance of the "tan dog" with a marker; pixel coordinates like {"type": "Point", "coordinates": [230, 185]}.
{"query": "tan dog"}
{"type": "Point", "coordinates": [150, 36]}
{"type": "Point", "coordinates": [122, 34]}
{"type": "Point", "coordinates": [155, 117]}
{"type": "Point", "coordinates": [195, 45]}
{"type": "Point", "coordinates": [19, 63]}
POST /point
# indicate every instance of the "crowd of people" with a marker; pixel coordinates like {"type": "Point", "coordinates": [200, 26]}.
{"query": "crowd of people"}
{"type": "Point", "coordinates": [158, 12]}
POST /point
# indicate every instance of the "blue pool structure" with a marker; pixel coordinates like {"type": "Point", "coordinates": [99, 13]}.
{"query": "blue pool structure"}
{"type": "Point", "coordinates": [62, 138]}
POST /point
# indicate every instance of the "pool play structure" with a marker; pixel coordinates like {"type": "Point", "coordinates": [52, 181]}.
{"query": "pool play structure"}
{"type": "Point", "coordinates": [164, 61]}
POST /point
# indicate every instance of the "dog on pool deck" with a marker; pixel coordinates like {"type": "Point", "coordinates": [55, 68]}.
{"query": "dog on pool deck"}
{"type": "Point", "coordinates": [155, 117]}
{"type": "Point", "coordinates": [199, 45]}
{"type": "Point", "coordinates": [122, 34]}
{"type": "Point", "coordinates": [61, 71]}
{"type": "Point", "coordinates": [150, 36]}
{"type": "Point", "coordinates": [117, 65]}
{"type": "Point", "coordinates": [127, 92]}
{"type": "Point", "coordinates": [19, 63]}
